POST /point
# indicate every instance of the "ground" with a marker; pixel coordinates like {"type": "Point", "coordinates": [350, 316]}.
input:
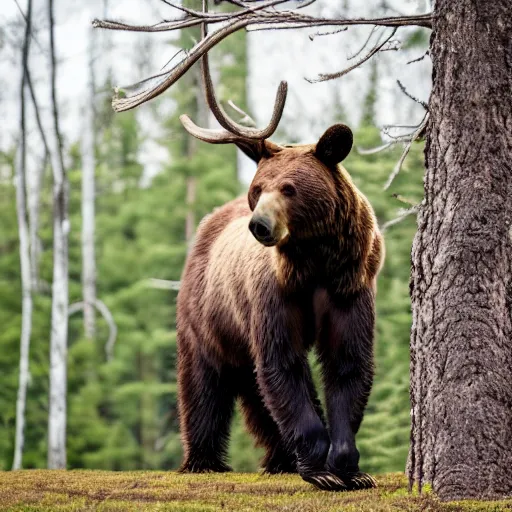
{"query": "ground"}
{"type": "Point", "coordinates": [42, 490]}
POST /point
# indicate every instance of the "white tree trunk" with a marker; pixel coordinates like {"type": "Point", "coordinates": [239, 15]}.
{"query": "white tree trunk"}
{"type": "Point", "coordinates": [88, 193]}
{"type": "Point", "coordinates": [58, 342]}
{"type": "Point", "coordinates": [26, 287]}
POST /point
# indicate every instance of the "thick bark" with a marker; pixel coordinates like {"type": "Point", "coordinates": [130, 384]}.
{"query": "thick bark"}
{"type": "Point", "coordinates": [88, 204]}
{"type": "Point", "coordinates": [461, 340]}
{"type": "Point", "coordinates": [58, 341]}
{"type": "Point", "coordinates": [26, 285]}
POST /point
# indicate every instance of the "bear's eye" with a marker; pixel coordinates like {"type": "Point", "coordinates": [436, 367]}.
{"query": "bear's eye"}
{"type": "Point", "coordinates": [288, 190]}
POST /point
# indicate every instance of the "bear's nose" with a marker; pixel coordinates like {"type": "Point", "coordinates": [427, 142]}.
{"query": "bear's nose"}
{"type": "Point", "coordinates": [261, 229]}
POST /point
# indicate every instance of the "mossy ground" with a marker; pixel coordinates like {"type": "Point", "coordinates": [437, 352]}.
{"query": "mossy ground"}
{"type": "Point", "coordinates": [40, 490]}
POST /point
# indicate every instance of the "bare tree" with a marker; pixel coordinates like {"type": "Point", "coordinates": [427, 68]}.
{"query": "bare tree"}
{"type": "Point", "coordinates": [58, 341]}
{"type": "Point", "coordinates": [461, 286]}
{"type": "Point", "coordinates": [88, 202]}
{"type": "Point", "coordinates": [23, 228]}
{"type": "Point", "coordinates": [34, 198]}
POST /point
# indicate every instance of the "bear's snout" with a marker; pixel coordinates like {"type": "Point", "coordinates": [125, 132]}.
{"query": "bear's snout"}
{"type": "Point", "coordinates": [262, 228]}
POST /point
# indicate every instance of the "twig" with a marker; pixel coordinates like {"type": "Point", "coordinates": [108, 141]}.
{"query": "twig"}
{"type": "Point", "coordinates": [407, 148]}
{"type": "Point", "coordinates": [330, 33]}
{"type": "Point", "coordinates": [365, 44]}
{"type": "Point", "coordinates": [107, 315]}
{"type": "Point", "coordinates": [400, 218]}
{"type": "Point", "coordinates": [258, 15]}
{"type": "Point", "coordinates": [164, 284]}
{"type": "Point", "coordinates": [246, 120]}
{"type": "Point", "coordinates": [404, 200]}
{"type": "Point", "coordinates": [419, 58]}
{"type": "Point", "coordinates": [372, 151]}
{"type": "Point", "coordinates": [409, 95]}
{"type": "Point", "coordinates": [331, 76]}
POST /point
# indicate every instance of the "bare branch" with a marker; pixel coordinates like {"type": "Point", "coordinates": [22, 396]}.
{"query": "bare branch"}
{"type": "Point", "coordinates": [331, 76]}
{"type": "Point", "coordinates": [372, 151]}
{"type": "Point", "coordinates": [365, 44]}
{"type": "Point", "coordinates": [107, 315]}
{"type": "Point", "coordinates": [409, 95]}
{"type": "Point", "coordinates": [275, 19]}
{"type": "Point", "coordinates": [253, 15]}
{"type": "Point", "coordinates": [404, 200]}
{"type": "Point", "coordinates": [330, 33]}
{"type": "Point", "coordinates": [164, 284]}
{"type": "Point", "coordinates": [246, 120]}
{"type": "Point", "coordinates": [407, 148]}
{"type": "Point", "coordinates": [419, 58]}
{"type": "Point", "coordinates": [404, 214]}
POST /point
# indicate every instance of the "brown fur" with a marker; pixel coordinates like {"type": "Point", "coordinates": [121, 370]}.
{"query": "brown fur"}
{"type": "Point", "coordinates": [247, 314]}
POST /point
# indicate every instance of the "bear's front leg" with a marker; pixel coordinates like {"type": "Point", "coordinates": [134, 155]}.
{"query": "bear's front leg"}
{"type": "Point", "coordinates": [345, 350]}
{"type": "Point", "coordinates": [285, 382]}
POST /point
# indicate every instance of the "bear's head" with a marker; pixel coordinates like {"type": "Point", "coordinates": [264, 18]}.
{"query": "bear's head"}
{"type": "Point", "coordinates": [295, 192]}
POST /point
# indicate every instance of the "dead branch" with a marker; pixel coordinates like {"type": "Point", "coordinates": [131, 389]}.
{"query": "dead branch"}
{"type": "Point", "coordinates": [251, 16]}
{"type": "Point", "coordinates": [407, 148]}
{"type": "Point", "coordinates": [378, 149]}
{"type": "Point", "coordinates": [246, 119]}
{"type": "Point", "coordinates": [331, 76]}
{"type": "Point", "coordinates": [164, 284]}
{"type": "Point", "coordinates": [419, 58]}
{"type": "Point", "coordinates": [107, 315]}
{"type": "Point", "coordinates": [404, 200]}
{"type": "Point", "coordinates": [329, 33]}
{"type": "Point", "coordinates": [409, 95]}
{"type": "Point", "coordinates": [403, 214]}
{"type": "Point", "coordinates": [365, 44]}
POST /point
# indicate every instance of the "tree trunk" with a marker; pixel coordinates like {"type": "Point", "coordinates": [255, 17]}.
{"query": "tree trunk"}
{"type": "Point", "coordinates": [26, 285]}
{"type": "Point", "coordinates": [461, 285]}
{"type": "Point", "coordinates": [88, 199]}
{"type": "Point", "coordinates": [59, 334]}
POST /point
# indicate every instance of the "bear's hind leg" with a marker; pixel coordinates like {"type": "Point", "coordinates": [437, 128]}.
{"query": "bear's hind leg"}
{"type": "Point", "coordinates": [206, 403]}
{"type": "Point", "coordinates": [278, 458]}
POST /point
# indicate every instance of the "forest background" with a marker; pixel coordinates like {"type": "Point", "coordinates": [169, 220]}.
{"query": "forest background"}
{"type": "Point", "coordinates": [122, 410]}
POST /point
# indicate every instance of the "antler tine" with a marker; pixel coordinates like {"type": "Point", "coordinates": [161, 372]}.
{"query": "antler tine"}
{"type": "Point", "coordinates": [219, 113]}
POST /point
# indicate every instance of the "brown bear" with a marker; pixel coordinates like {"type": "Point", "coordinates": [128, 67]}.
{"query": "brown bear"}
{"type": "Point", "coordinates": [290, 267]}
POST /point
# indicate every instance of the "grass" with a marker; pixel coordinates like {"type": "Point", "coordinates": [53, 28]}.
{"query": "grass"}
{"type": "Point", "coordinates": [43, 490]}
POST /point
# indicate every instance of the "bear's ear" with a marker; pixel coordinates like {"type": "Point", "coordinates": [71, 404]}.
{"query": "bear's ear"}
{"type": "Point", "coordinates": [334, 145]}
{"type": "Point", "coordinates": [258, 149]}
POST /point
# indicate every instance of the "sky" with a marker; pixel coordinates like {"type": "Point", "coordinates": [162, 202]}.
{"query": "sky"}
{"type": "Point", "coordinates": [272, 56]}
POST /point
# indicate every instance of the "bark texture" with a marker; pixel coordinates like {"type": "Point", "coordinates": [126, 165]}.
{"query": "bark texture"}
{"type": "Point", "coordinates": [461, 285]}
{"type": "Point", "coordinates": [59, 334]}
{"type": "Point", "coordinates": [88, 202]}
{"type": "Point", "coordinates": [23, 230]}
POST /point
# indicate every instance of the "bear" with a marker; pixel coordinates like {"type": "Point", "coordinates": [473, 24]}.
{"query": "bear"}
{"type": "Point", "coordinates": [290, 267]}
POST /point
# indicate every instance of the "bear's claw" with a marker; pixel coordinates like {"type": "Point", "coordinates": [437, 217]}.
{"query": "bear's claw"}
{"type": "Point", "coordinates": [358, 481]}
{"type": "Point", "coordinates": [349, 482]}
{"type": "Point", "coordinates": [325, 481]}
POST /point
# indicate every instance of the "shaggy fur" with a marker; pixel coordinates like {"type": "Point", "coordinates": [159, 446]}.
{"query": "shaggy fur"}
{"type": "Point", "coordinates": [248, 314]}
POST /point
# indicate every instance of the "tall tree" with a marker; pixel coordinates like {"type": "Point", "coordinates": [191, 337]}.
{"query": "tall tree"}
{"type": "Point", "coordinates": [60, 292]}
{"type": "Point", "coordinates": [88, 201]}
{"type": "Point", "coordinates": [24, 238]}
{"type": "Point", "coordinates": [461, 286]}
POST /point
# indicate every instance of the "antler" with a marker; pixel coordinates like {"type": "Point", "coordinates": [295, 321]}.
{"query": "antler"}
{"type": "Point", "coordinates": [233, 132]}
